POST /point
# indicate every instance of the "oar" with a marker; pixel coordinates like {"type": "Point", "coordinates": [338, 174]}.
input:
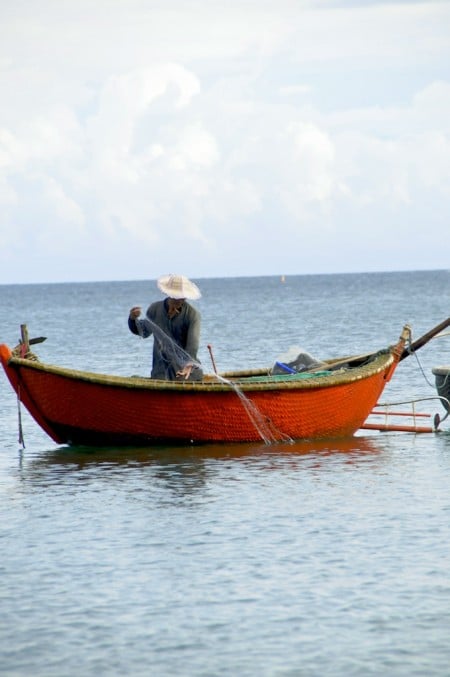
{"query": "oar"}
{"type": "Point", "coordinates": [415, 345]}
{"type": "Point", "coordinates": [38, 339]}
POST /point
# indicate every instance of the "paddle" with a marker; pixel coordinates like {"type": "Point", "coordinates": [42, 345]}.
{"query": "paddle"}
{"type": "Point", "coordinates": [415, 345]}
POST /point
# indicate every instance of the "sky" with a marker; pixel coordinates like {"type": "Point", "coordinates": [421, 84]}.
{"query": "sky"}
{"type": "Point", "coordinates": [219, 139]}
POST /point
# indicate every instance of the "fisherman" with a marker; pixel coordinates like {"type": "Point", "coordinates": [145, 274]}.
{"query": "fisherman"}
{"type": "Point", "coordinates": [175, 326]}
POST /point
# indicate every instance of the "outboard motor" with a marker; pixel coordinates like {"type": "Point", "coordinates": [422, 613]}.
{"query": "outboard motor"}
{"type": "Point", "coordinates": [442, 376]}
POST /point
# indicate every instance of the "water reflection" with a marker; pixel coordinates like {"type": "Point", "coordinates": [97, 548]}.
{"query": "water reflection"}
{"type": "Point", "coordinates": [183, 469]}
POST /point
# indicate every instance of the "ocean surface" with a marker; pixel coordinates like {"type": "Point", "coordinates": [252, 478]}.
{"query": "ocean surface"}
{"type": "Point", "coordinates": [305, 559]}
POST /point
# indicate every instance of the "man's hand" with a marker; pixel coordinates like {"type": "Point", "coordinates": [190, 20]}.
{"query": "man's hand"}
{"type": "Point", "coordinates": [135, 312]}
{"type": "Point", "coordinates": [186, 371]}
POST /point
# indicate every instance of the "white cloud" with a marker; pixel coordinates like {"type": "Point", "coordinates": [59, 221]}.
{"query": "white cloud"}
{"type": "Point", "coordinates": [431, 105]}
{"type": "Point", "coordinates": [314, 156]}
{"type": "Point", "coordinates": [196, 133]}
{"type": "Point", "coordinates": [195, 146]}
{"type": "Point", "coordinates": [66, 210]}
{"type": "Point", "coordinates": [123, 100]}
{"type": "Point", "coordinates": [367, 34]}
{"type": "Point", "coordinates": [8, 195]}
{"type": "Point", "coordinates": [295, 89]}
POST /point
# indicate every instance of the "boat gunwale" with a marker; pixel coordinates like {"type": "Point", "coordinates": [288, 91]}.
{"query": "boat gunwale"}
{"type": "Point", "coordinates": [379, 363]}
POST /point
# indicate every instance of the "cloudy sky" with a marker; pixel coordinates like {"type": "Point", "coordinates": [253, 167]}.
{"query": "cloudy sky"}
{"type": "Point", "coordinates": [141, 137]}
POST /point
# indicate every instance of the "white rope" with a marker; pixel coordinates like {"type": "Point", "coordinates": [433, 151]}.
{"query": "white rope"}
{"type": "Point", "coordinates": [266, 429]}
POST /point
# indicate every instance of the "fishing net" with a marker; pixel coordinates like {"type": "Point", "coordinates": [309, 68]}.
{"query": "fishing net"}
{"type": "Point", "coordinates": [173, 357]}
{"type": "Point", "coordinates": [265, 428]}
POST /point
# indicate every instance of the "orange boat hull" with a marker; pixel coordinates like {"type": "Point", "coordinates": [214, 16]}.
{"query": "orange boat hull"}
{"type": "Point", "coordinates": [83, 408]}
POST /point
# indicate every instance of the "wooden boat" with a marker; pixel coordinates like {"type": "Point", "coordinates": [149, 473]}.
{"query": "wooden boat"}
{"type": "Point", "coordinates": [85, 408]}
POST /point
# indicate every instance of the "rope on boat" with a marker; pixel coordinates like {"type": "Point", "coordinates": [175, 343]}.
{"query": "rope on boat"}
{"type": "Point", "coordinates": [419, 399]}
{"type": "Point", "coordinates": [444, 400]}
{"type": "Point", "coordinates": [427, 381]}
{"type": "Point", "coordinates": [19, 414]}
{"type": "Point", "coordinates": [442, 334]}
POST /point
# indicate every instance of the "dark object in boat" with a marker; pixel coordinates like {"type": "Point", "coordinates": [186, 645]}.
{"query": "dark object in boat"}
{"type": "Point", "coordinates": [442, 377]}
{"type": "Point", "coordinates": [302, 362]}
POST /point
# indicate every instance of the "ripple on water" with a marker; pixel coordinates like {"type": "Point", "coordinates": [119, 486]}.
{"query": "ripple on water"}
{"type": "Point", "coordinates": [318, 559]}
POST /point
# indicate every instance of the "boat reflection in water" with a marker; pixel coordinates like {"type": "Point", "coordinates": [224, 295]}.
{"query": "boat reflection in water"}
{"type": "Point", "coordinates": [186, 470]}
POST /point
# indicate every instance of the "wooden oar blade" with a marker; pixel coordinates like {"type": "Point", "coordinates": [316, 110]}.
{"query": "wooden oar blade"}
{"type": "Point", "coordinates": [38, 339]}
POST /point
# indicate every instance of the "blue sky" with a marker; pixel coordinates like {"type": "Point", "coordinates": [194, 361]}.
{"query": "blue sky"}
{"type": "Point", "coordinates": [218, 139]}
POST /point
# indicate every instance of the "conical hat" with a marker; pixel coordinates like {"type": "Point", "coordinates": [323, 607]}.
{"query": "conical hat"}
{"type": "Point", "coordinates": [178, 287]}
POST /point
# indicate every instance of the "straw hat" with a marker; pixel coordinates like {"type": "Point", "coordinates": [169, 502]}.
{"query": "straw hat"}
{"type": "Point", "coordinates": [178, 287]}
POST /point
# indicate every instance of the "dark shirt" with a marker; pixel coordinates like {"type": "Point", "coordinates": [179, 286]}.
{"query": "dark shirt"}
{"type": "Point", "coordinates": [182, 331]}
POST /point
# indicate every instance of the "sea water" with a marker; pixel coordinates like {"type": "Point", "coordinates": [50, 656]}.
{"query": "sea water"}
{"type": "Point", "coordinates": [301, 559]}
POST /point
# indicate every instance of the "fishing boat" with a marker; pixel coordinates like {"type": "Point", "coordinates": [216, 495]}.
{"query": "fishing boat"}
{"type": "Point", "coordinates": [85, 408]}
